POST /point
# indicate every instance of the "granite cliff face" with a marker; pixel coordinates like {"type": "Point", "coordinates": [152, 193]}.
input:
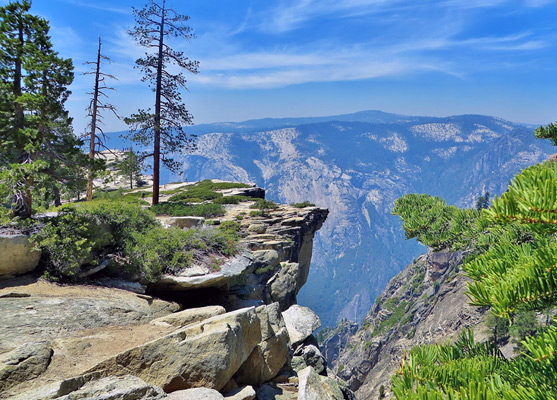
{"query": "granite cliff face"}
{"type": "Point", "coordinates": [231, 332]}
{"type": "Point", "coordinates": [424, 304]}
{"type": "Point", "coordinates": [356, 166]}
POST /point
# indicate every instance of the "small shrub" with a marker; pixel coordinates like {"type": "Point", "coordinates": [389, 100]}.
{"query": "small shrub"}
{"type": "Point", "coordinates": [303, 204]}
{"type": "Point", "coordinates": [221, 185]}
{"type": "Point", "coordinates": [68, 241]}
{"type": "Point", "coordinates": [392, 320]}
{"type": "Point", "coordinates": [206, 190]}
{"type": "Point", "coordinates": [262, 204]}
{"type": "Point", "coordinates": [215, 264]}
{"type": "Point", "coordinates": [120, 196]}
{"type": "Point", "coordinates": [231, 226]}
{"type": "Point", "coordinates": [195, 195]}
{"type": "Point", "coordinates": [391, 303]}
{"type": "Point", "coordinates": [158, 251]}
{"type": "Point", "coordinates": [231, 199]}
{"type": "Point", "coordinates": [208, 210]}
{"type": "Point", "coordinates": [263, 270]}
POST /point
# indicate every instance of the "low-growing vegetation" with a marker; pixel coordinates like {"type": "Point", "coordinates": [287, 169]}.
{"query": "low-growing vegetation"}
{"type": "Point", "coordinates": [206, 190]}
{"type": "Point", "coordinates": [398, 312]}
{"type": "Point", "coordinates": [130, 237]}
{"type": "Point", "coordinates": [207, 210]}
{"type": "Point", "coordinates": [263, 207]}
{"type": "Point", "coordinates": [303, 204]}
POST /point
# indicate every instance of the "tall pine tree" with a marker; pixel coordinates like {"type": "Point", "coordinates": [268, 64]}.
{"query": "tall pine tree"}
{"type": "Point", "coordinates": [163, 128]}
{"type": "Point", "coordinates": [40, 153]}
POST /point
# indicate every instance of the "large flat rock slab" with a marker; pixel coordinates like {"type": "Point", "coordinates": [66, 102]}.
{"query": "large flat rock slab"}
{"type": "Point", "coordinates": [37, 311]}
{"type": "Point", "coordinates": [206, 354]}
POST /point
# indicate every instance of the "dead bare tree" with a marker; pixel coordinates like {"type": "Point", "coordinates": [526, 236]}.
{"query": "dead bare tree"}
{"type": "Point", "coordinates": [95, 108]}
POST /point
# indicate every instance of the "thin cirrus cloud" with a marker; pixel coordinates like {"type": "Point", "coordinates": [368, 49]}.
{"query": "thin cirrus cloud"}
{"type": "Point", "coordinates": [294, 14]}
{"type": "Point", "coordinates": [99, 6]}
{"type": "Point", "coordinates": [284, 18]}
{"type": "Point", "coordinates": [359, 61]}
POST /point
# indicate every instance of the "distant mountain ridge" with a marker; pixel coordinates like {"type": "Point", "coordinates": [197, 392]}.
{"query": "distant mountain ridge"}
{"type": "Point", "coordinates": [374, 116]}
{"type": "Point", "coordinates": [357, 168]}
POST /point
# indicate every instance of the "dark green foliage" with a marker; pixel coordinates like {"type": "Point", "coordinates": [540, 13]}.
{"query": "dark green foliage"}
{"type": "Point", "coordinates": [129, 168]}
{"type": "Point", "coordinates": [231, 199]}
{"type": "Point", "coordinates": [396, 316]}
{"type": "Point", "coordinates": [39, 154]}
{"type": "Point", "coordinates": [497, 328]}
{"type": "Point", "coordinates": [263, 206]}
{"type": "Point", "coordinates": [159, 250]}
{"type": "Point", "coordinates": [69, 240]}
{"type": "Point", "coordinates": [482, 202]}
{"type": "Point", "coordinates": [164, 126]}
{"type": "Point", "coordinates": [131, 236]}
{"type": "Point", "coordinates": [547, 132]}
{"type": "Point", "coordinates": [195, 195]}
{"type": "Point", "coordinates": [382, 391]}
{"type": "Point", "coordinates": [80, 234]}
{"type": "Point", "coordinates": [207, 183]}
{"type": "Point", "coordinates": [206, 210]}
{"type": "Point", "coordinates": [436, 224]}
{"type": "Point", "coordinates": [513, 267]}
{"type": "Point", "coordinates": [207, 190]}
{"type": "Point", "coordinates": [120, 195]}
{"type": "Point", "coordinates": [303, 204]}
{"type": "Point", "coordinates": [525, 324]}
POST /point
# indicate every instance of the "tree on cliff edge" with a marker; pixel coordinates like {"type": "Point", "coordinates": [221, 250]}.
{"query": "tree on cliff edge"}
{"type": "Point", "coordinates": [164, 127]}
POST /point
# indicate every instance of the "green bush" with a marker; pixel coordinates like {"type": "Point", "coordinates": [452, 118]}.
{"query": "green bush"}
{"type": "Point", "coordinates": [221, 185]}
{"type": "Point", "coordinates": [206, 190]}
{"type": "Point", "coordinates": [80, 233]}
{"type": "Point", "coordinates": [121, 195]}
{"type": "Point", "coordinates": [171, 250]}
{"type": "Point", "coordinates": [69, 240]}
{"type": "Point", "coordinates": [195, 195]}
{"type": "Point", "coordinates": [183, 209]}
{"type": "Point", "coordinates": [231, 199]}
{"type": "Point", "coordinates": [263, 206]}
{"type": "Point", "coordinates": [140, 246]}
{"type": "Point", "coordinates": [303, 204]}
{"type": "Point", "coordinates": [158, 251]}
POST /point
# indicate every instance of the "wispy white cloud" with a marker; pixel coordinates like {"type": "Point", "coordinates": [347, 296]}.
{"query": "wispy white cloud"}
{"type": "Point", "coordinates": [100, 6]}
{"type": "Point", "coordinates": [293, 15]}
{"type": "Point", "coordinates": [272, 68]}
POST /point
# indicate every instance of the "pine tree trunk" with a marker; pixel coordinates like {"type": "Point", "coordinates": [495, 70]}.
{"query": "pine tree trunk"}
{"type": "Point", "coordinates": [26, 201]}
{"type": "Point", "coordinates": [157, 128]}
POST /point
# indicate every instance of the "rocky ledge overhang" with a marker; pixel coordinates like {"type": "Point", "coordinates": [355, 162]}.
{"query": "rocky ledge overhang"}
{"type": "Point", "coordinates": [272, 266]}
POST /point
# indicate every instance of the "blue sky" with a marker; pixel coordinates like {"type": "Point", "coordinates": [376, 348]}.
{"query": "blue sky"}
{"type": "Point", "coordinates": [272, 58]}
